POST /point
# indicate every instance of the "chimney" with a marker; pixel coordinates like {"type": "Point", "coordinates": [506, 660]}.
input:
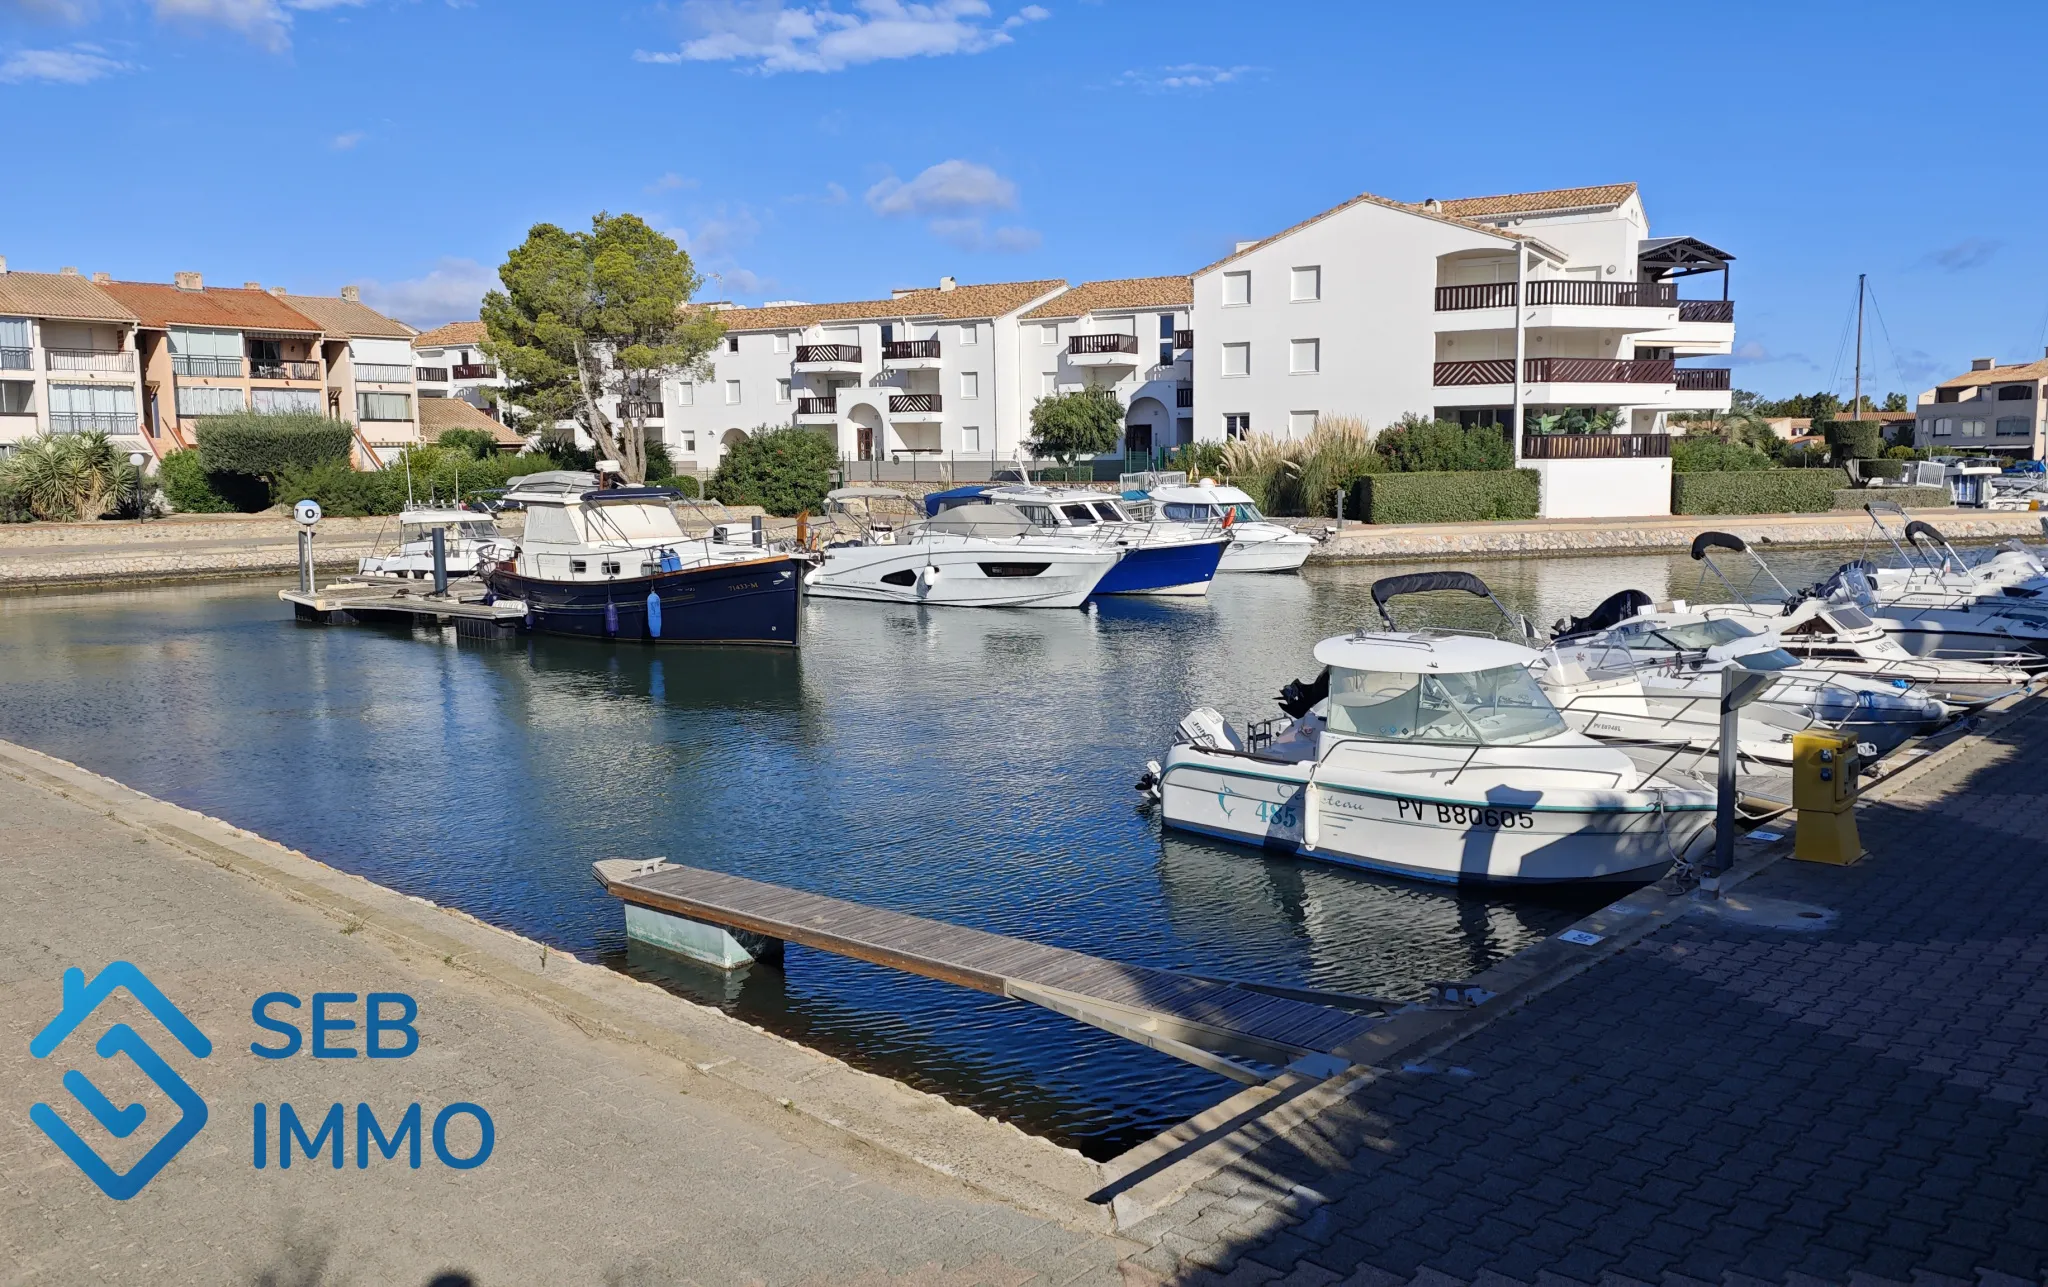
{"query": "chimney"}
{"type": "Point", "coordinates": [3, 265]}
{"type": "Point", "coordinates": [279, 291]}
{"type": "Point", "coordinates": [1982, 364]}
{"type": "Point", "coordinates": [1433, 205]}
{"type": "Point", "coordinates": [188, 281]}
{"type": "Point", "coordinates": [67, 271]}
{"type": "Point", "coordinates": [101, 279]}
{"type": "Point", "coordinates": [352, 295]}
{"type": "Point", "coordinates": [947, 283]}
{"type": "Point", "coordinates": [252, 285]}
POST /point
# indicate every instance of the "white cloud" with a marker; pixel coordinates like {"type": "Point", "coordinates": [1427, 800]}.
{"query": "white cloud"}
{"type": "Point", "coordinates": [671, 182]}
{"type": "Point", "coordinates": [347, 142]}
{"type": "Point", "coordinates": [724, 231]}
{"type": "Point", "coordinates": [74, 12]}
{"type": "Point", "coordinates": [1185, 76]}
{"type": "Point", "coordinates": [665, 58]}
{"type": "Point", "coordinates": [946, 188]}
{"type": "Point", "coordinates": [262, 21]}
{"type": "Point", "coordinates": [972, 234]}
{"type": "Point", "coordinates": [77, 66]}
{"type": "Point", "coordinates": [771, 36]}
{"type": "Point", "coordinates": [741, 281]}
{"type": "Point", "coordinates": [450, 293]}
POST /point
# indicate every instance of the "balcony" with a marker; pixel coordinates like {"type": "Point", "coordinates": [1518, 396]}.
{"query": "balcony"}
{"type": "Point", "coordinates": [1184, 396]}
{"type": "Point", "coordinates": [817, 410]}
{"type": "Point", "coordinates": [1700, 379]}
{"type": "Point", "coordinates": [432, 375]}
{"type": "Point", "coordinates": [1603, 294]}
{"type": "Point", "coordinates": [1484, 295]}
{"type": "Point", "coordinates": [265, 370]}
{"type": "Point", "coordinates": [475, 371]}
{"type": "Point", "coordinates": [1595, 446]}
{"type": "Point", "coordinates": [383, 373]}
{"type": "Point", "coordinates": [1102, 350]}
{"type": "Point", "coordinates": [1183, 339]}
{"type": "Point", "coordinates": [217, 368]}
{"type": "Point", "coordinates": [915, 406]}
{"type": "Point", "coordinates": [1556, 370]}
{"type": "Point", "coordinates": [110, 361]}
{"type": "Point", "coordinates": [910, 355]}
{"type": "Point", "coordinates": [828, 357]}
{"type": "Point", "coordinates": [93, 422]}
{"type": "Point", "coordinates": [12, 359]}
{"type": "Point", "coordinates": [1706, 310]}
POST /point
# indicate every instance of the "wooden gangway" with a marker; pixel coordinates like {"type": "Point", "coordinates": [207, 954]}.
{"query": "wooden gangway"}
{"type": "Point", "coordinates": [372, 599]}
{"type": "Point", "coordinates": [1214, 1024]}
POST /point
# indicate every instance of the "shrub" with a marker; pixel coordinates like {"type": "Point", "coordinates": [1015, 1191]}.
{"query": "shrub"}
{"type": "Point", "coordinates": [477, 442]}
{"type": "Point", "coordinates": [687, 484]}
{"type": "Point", "coordinates": [191, 490]}
{"type": "Point", "coordinates": [439, 476]}
{"type": "Point", "coordinates": [1416, 445]}
{"type": "Point", "coordinates": [1793, 455]}
{"type": "Point", "coordinates": [659, 467]}
{"type": "Point", "coordinates": [265, 444]}
{"type": "Point", "coordinates": [1085, 422]}
{"type": "Point", "coordinates": [1265, 467]}
{"type": "Point", "coordinates": [1903, 452]}
{"type": "Point", "coordinates": [1198, 460]}
{"type": "Point", "coordinates": [1907, 497]}
{"type": "Point", "coordinates": [1333, 458]}
{"type": "Point", "coordinates": [1883, 468]}
{"type": "Point", "coordinates": [1756, 491]}
{"type": "Point", "coordinates": [783, 470]}
{"type": "Point", "coordinates": [1448, 496]}
{"type": "Point", "coordinates": [343, 492]}
{"type": "Point", "coordinates": [1711, 453]}
{"type": "Point", "coordinates": [61, 477]}
{"type": "Point", "coordinates": [1855, 439]}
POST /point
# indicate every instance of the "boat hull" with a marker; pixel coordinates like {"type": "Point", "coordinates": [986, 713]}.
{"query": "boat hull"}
{"type": "Point", "coordinates": [953, 577]}
{"type": "Point", "coordinates": [1425, 831]}
{"type": "Point", "coordinates": [1180, 567]}
{"type": "Point", "coordinates": [1274, 554]}
{"type": "Point", "coordinates": [755, 601]}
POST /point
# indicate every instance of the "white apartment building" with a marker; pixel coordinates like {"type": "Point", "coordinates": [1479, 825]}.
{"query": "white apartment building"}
{"type": "Point", "coordinates": [67, 360]}
{"type": "Point", "coordinates": [1987, 409]}
{"type": "Point", "coordinates": [926, 373]}
{"type": "Point", "coordinates": [1132, 336]}
{"type": "Point", "coordinates": [1378, 308]}
{"type": "Point", "coordinates": [368, 358]}
{"type": "Point", "coordinates": [449, 362]}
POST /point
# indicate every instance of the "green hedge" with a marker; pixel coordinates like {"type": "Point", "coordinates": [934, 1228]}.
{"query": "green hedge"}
{"type": "Point", "coordinates": [1909, 497]}
{"type": "Point", "coordinates": [1463, 496]}
{"type": "Point", "coordinates": [1757, 491]}
{"type": "Point", "coordinates": [265, 445]}
{"type": "Point", "coordinates": [440, 475]}
{"type": "Point", "coordinates": [784, 470]}
{"type": "Point", "coordinates": [191, 489]}
{"type": "Point", "coordinates": [1855, 439]}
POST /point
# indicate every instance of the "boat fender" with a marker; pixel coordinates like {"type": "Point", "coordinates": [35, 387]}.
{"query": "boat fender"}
{"type": "Point", "coordinates": [929, 576]}
{"type": "Point", "coordinates": [653, 615]}
{"type": "Point", "coordinates": [611, 617]}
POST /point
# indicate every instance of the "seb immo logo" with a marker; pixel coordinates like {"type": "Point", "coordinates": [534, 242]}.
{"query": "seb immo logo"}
{"type": "Point", "coordinates": [81, 999]}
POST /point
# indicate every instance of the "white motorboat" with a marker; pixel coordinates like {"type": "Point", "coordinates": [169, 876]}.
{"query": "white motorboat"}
{"type": "Point", "coordinates": [1434, 755]}
{"type": "Point", "coordinates": [1936, 607]}
{"type": "Point", "coordinates": [1158, 557]}
{"type": "Point", "coordinates": [981, 556]}
{"type": "Point", "coordinates": [1256, 544]}
{"type": "Point", "coordinates": [464, 533]}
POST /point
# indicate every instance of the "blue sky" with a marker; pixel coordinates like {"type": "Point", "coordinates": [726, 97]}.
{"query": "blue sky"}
{"type": "Point", "coordinates": [812, 151]}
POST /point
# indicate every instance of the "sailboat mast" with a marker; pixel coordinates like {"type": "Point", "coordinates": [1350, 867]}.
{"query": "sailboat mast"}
{"type": "Point", "coordinates": [1856, 403]}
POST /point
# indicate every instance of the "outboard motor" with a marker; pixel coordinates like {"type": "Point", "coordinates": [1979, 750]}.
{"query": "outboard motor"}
{"type": "Point", "coordinates": [1301, 695]}
{"type": "Point", "coordinates": [1613, 610]}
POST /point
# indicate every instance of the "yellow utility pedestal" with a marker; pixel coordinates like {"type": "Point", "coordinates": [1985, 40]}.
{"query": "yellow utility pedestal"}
{"type": "Point", "coordinates": [1824, 774]}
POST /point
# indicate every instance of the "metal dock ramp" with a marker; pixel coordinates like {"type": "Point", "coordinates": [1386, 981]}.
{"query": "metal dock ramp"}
{"type": "Point", "coordinates": [1213, 1024]}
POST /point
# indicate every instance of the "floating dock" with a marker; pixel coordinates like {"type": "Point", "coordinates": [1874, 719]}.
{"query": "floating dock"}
{"type": "Point", "coordinates": [728, 921]}
{"type": "Point", "coordinates": [373, 600]}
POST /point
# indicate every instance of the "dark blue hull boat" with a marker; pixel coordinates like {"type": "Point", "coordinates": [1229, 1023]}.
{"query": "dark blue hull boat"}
{"type": "Point", "coordinates": [1149, 569]}
{"type": "Point", "coordinates": [752, 602]}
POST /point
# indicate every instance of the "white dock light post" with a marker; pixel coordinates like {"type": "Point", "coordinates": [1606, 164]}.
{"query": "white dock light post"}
{"type": "Point", "coordinates": [138, 460]}
{"type": "Point", "coordinates": [1739, 687]}
{"type": "Point", "coordinates": [306, 513]}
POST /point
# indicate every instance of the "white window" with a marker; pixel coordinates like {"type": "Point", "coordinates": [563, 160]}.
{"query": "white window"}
{"type": "Point", "coordinates": [970, 384]}
{"type": "Point", "coordinates": [1973, 429]}
{"type": "Point", "coordinates": [383, 406]}
{"type": "Point", "coordinates": [1305, 283]}
{"type": "Point", "coordinates": [1304, 357]}
{"type": "Point", "coordinates": [1237, 425]}
{"type": "Point", "coordinates": [17, 397]}
{"type": "Point", "coordinates": [970, 438]}
{"type": "Point", "coordinates": [686, 394]}
{"type": "Point", "coordinates": [732, 393]}
{"type": "Point", "coordinates": [1300, 424]}
{"type": "Point", "coordinates": [275, 400]}
{"type": "Point", "coordinates": [1048, 384]}
{"type": "Point", "coordinates": [1049, 333]}
{"type": "Point", "coordinates": [1237, 289]}
{"type": "Point", "coordinates": [970, 333]}
{"type": "Point", "coordinates": [781, 391]}
{"type": "Point", "coordinates": [1237, 359]}
{"type": "Point", "coordinates": [205, 400]}
{"type": "Point", "coordinates": [1944, 427]}
{"type": "Point", "coordinates": [690, 444]}
{"type": "Point", "coordinates": [781, 342]}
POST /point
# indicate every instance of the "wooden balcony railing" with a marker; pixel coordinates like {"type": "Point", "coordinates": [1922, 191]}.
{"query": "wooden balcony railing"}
{"type": "Point", "coordinates": [1574, 290]}
{"type": "Point", "coordinates": [828, 353]}
{"type": "Point", "coordinates": [1595, 446]}
{"type": "Point", "coordinates": [899, 349]}
{"type": "Point", "coordinates": [1704, 377]}
{"type": "Point", "coordinates": [115, 361]}
{"type": "Point", "coordinates": [284, 370]}
{"type": "Point", "coordinates": [1184, 397]}
{"type": "Point", "coordinates": [915, 404]}
{"type": "Point", "coordinates": [1706, 310]}
{"type": "Point", "coordinates": [433, 375]}
{"type": "Point", "coordinates": [1183, 339]}
{"type": "Point", "coordinates": [194, 365]}
{"type": "Point", "coordinates": [475, 371]}
{"type": "Point", "coordinates": [817, 406]}
{"type": "Point", "coordinates": [1486, 371]}
{"type": "Point", "coordinates": [1484, 295]}
{"type": "Point", "coordinates": [1082, 345]}
{"type": "Point", "coordinates": [1554, 370]}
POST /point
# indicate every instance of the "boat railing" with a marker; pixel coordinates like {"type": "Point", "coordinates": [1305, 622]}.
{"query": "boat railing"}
{"type": "Point", "coordinates": [1471, 749]}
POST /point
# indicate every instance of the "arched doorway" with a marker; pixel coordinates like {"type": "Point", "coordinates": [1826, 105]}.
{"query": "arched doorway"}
{"type": "Point", "coordinates": [1147, 427]}
{"type": "Point", "coordinates": [868, 440]}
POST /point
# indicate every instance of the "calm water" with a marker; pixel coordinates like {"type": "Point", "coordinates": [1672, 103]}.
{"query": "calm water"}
{"type": "Point", "coordinates": [971, 766]}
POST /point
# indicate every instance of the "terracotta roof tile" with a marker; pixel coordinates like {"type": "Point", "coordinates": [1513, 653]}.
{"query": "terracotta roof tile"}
{"type": "Point", "coordinates": [452, 335]}
{"type": "Point", "coordinates": [231, 307]}
{"type": "Point", "coordinates": [1363, 198]}
{"type": "Point", "coordinates": [991, 300]}
{"type": "Point", "coordinates": [1126, 292]}
{"type": "Point", "coordinates": [58, 295]}
{"type": "Point", "coordinates": [2037, 370]}
{"type": "Point", "coordinates": [439, 414]}
{"type": "Point", "coordinates": [347, 317]}
{"type": "Point", "coordinates": [1610, 194]}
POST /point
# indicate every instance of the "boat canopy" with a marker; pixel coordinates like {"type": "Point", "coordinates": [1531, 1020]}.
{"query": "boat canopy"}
{"type": "Point", "coordinates": [968, 495]}
{"type": "Point", "coordinates": [629, 495]}
{"type": "Point", "coordinates": [438, 517]}
{"type": "Point", "coordinates": [865, 493]}
{"type": "Point", "coordinates": [1198, 493]}
{"type": "Point", "coordinates": [991, 520]}
{"type": "Point", "coordinates": [550, 483]}
{"type": "Point", "coordinates": [1424, 652]}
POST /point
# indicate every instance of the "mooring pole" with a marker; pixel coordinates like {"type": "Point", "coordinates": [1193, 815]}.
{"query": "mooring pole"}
{"type": "Point", "coordinates": [305, 560]}
{"type": "Point", "coordinates": [757, 531]}
{"type": "Point", "coordinates": [440, 562]}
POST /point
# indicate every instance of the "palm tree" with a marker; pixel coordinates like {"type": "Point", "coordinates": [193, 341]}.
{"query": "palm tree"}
{"type": "Point", "coordinates": [61, 477]}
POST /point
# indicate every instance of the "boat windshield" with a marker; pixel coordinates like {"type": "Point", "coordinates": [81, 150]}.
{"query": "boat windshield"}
{"type": "Point", "coordinates": [1691, 636]}
{"type": "Point", "coordinates": [1183, 512]}
{"type": "Point", "coordinates": [1500, 707]}
{"type": "Point", "coordinates": [1078, 514]}
{"type": "Point", "coordinates": [626, 522]}
{"type": "Point", "coordinates": [1111, 512]}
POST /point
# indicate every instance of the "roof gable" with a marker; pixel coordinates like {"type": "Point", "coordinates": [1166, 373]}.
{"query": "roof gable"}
{"type": "Point", "coordinates": [348, 317]}
{"type": "Point", "coordinates": [451, 335]}
{"type": "Point", "coordinates": [1603, 197]}
{"type": "Point", "coordinates": [1365, 198]}
{"type": "Point", "coordinates": [1124, 292]}
{"type": "Point", "coordinates": [229, 307]}
{"type": "Point", "coordinates": [60, 295]}
{"type": "Point", "coordinates": [993, 299]}
{"type": "Point", "coordinates": [2018, 373]}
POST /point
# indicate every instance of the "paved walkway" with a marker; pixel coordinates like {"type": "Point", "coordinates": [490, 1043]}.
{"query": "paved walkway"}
{"type": "Point", "coordinates": [1866, 1103]}
{"type": "Point", "coordinates": [613, 1162]}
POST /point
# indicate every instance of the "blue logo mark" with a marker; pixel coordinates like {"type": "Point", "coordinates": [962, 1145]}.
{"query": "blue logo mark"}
{"type": "Point", "coordinates": [80, 1000]}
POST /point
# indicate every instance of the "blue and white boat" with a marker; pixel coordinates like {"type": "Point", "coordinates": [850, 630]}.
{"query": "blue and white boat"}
{"type": "Point", "coordinates": [1158, 557]}
{"type": "Point", "coordinates": [614, 563]}
{"type": "Point", "coordinates": [1256, 543]}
